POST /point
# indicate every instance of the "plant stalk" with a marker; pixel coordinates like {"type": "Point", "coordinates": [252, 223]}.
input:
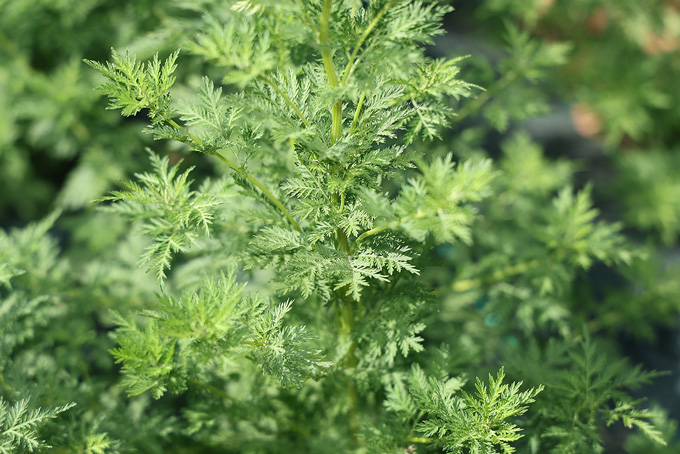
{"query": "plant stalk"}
{"type": "Point", "coordinates": [469, 284]}
{"type": "Point", "coordinates": [480, 100]}
{"type": "Point", "coordinates": [356, 113]}
{"type": "Point", "coordinates": [420, 440]}
{"type": "Point", "coordinates": [329, 65]}
{"type": "Point", "coordinates": [350, 64]}
{"type": "Point", "coordinates": [347, 326]}
{"type": "Point", "coordinates": [244, 174]}
{"type": "Point", "coordinates": [381, 228]}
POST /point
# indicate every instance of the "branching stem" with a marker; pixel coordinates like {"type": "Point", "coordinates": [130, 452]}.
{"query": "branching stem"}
{"type": "Point", "coordinates": [371, 232]}
{"type": "Point", "coordinates": [244, 174]}
{"type": "Point", "coordinates": [381, 228]}
{"type": "Point", "coordinates": [480, 100]}
{"type": "Point", "coordinates": [350, 64]}
{"type": "Point", "coordinates": [469, 284]}
{"type": "Point", "coordinates": [356, 113]}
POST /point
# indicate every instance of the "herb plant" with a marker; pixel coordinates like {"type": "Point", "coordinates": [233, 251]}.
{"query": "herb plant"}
{"type": "Point", "coordinates": [295, 306]}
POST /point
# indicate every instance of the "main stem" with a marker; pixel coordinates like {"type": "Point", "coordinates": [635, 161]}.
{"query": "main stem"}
{"type": "Point", "coordinates": [472, 107]}
{"type": "Point", "coordinates": [329, 65]}
{"type": "Point", "coordinates": [345, 304]}
{"type": "Point", "coordinates": [346, 307]}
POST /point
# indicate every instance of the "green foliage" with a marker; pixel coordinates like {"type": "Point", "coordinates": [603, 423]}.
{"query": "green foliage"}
{"type": "Point", "coordinates": [134, 86]}
{"type": "Point", "coordinates": [654, 204]}
{"type": "Point", "coordinates": [583, 387]}
{"type": "Point", "coordinates": [55, 139]}
{"type": "Point", "coordinates": [435, 204]}
{"type": "Point", "coordinates": [668, 428]}
{"type": "Point", "coordinates": [18, 424]}
{"type": "Point", "coordinates": [30, 268]}
{"type": "Point", "coordinates": [513, 94]}
{"type": "Point", "coordinates": [576, 238]}
{"type": "Point", "coordinates": [170, 212]}
{"type": "Point", "coordinates": [205, 328]}
{"type": "Point", "coordinates": [304, 266]}
{"type": "Point", "coordinates": [343, 238]}
{"type": "Point", "coordinates": [474, 423]}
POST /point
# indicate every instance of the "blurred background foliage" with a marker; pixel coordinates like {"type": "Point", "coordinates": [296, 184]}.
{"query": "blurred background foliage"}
{"type": "Point", "coordinates": [578, 94]}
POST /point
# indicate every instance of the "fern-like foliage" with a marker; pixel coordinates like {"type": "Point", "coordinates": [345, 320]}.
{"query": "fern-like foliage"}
{"type": "Point", "coordinates": [134, 86]}
{"type": "Point", "coordinates": [171, 213]}
{"type": "Point", "coordinates": [324, 126]}
{"type": "Point", "coordinates": [594, 384]}
{"type": "Point", "coordinates": [459, 421]}
{"type": "Point", "coordinates": [19, 424]}
{"type": "Point", "coordinates": [29, 269]}
{"type": "Point", "coordinates": [211, 118]}
{"type": "Point", "coordinates": [440, 202]}
{"type": "Point", "coordinates": [513, 94]}
{"type": "Point", "coordinates": [574, 236]}
{"type": "Point", "coordinates": [584, 388]}
{"type": "Point", "coordinates": [217, 324]}
{"type": "Point", "coordinates": [147, 358]}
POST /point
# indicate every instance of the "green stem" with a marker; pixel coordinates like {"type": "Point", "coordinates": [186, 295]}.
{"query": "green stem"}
{"type": "Point", "coordinates": [356, 113]}
{"type": "Point", "coordinates": [350, 360]}
{"type": "Point", "coordinates": [174, 124]}
{"type": "Point", "coordinates": [415, 422]}
{"type": "Point", "coordinates": [261, 187]}
{"type": "Point", "coordinates": [349, 68]}
{"type": "Point", "coordinates": [371, 232]}
{"type": "Point", "coordinates": [420, 440]}
{"type": "Point", "coordinates": [285, 97]}
{"type": "Point", "coordinates": [336, 132]}
{"type": "Point", "coordinates": [342, 203]}
{"type": "Point", "coordinates": [329, 65]}
{"type": "Point", "coordinates": [391, 225]}
{"type": "Point", "coordinates": [244, 174]}
{"type": "Point", "coordinates": [343, 242]}
{"type": "Point", "coordinates": [213, 389]}
{"type": "Point", "coordinates": [479, 101]}
{"type": "Point", "coordinates": [346, 305]}
{"type": "Point", "coordinates": [469, 284]}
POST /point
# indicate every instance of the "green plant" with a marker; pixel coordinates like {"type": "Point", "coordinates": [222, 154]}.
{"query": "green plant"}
{"type": "Point", "coordinates": [321, 189]}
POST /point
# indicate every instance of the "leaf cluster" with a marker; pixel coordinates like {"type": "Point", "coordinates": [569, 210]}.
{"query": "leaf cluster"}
{"type": "Point", "coordinates": [18, 425]}
{"type": "Point", "coordinates": [169, 211]}
{"type": "Point", "coordinates": [457, 420]}
{"type": "Point", "coordinates": [207, 328]}
{"type": "Point", "coordinates": [582, 388]}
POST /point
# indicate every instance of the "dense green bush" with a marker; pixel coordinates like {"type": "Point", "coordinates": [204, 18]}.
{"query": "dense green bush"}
{"type": "Point", "coordinates": [334, 261]}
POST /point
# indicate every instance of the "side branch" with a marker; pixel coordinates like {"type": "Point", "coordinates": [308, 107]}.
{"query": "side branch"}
{"type": "Point", "coordinates": [381, 228]}
{"type": "Point", "coordinates": [469, 284]}
{"type": "Point", "coordinates": [350, 64]}
{"type": "Point", "coordinates": [244, 174]}
{"type": "Point", "coordinates": [261, 187]}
